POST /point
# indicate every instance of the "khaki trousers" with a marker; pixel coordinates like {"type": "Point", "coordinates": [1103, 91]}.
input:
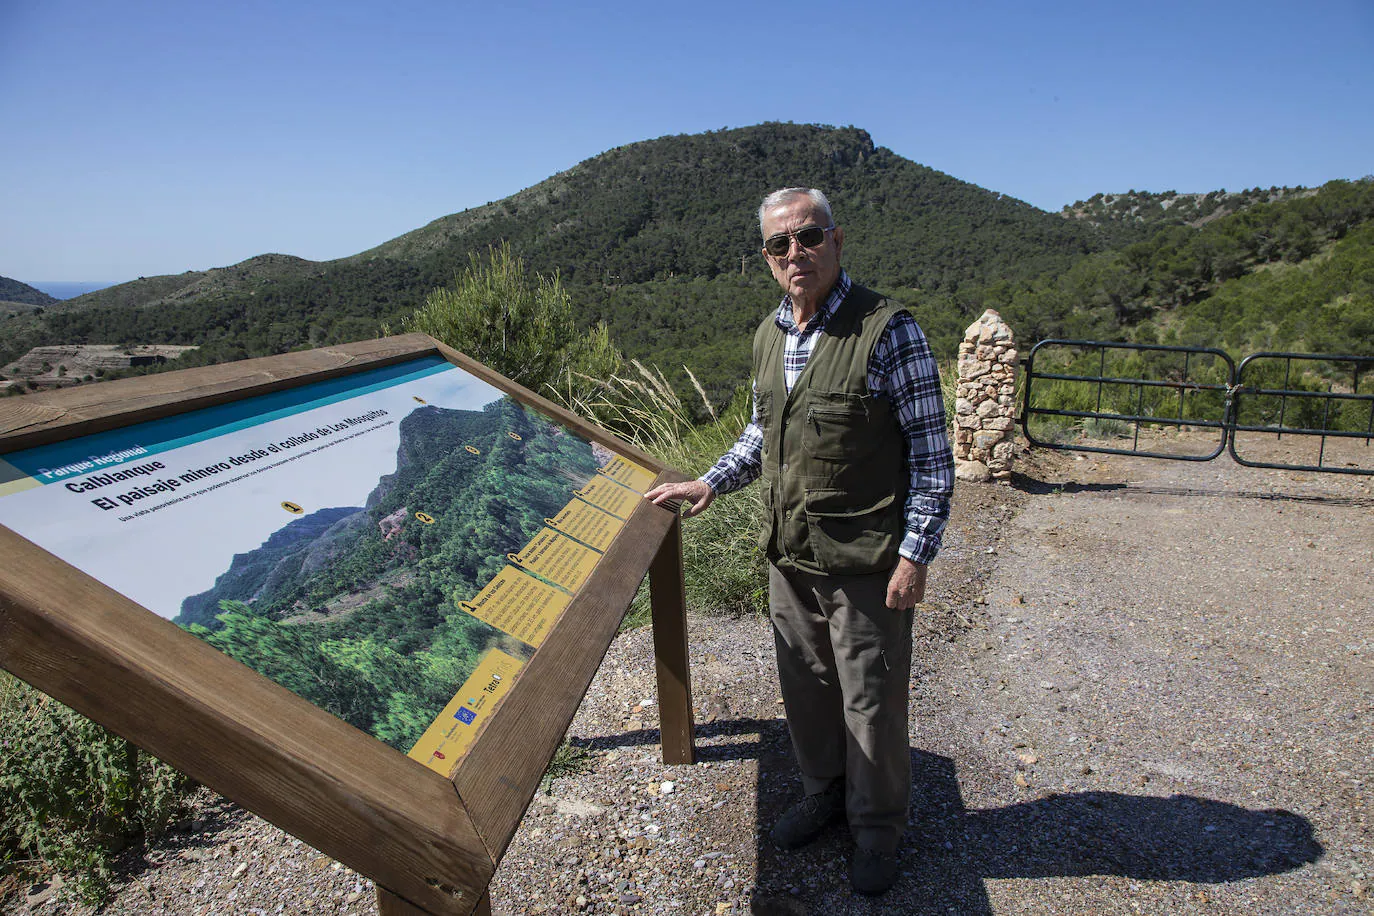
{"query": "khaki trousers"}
{"type": "Point", "coordinates": [844, 663]}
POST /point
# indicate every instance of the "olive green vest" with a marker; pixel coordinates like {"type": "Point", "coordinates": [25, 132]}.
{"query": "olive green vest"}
{"type": "Point", "coordinates": [834, 461]}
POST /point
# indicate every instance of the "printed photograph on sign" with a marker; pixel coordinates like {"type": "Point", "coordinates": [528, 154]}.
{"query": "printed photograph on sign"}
{"type": "Point", "coordinates": [349, 539]}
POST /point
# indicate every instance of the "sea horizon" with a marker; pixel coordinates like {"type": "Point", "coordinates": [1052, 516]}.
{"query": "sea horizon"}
{"type": "Point", "coordinates": [69, 289]}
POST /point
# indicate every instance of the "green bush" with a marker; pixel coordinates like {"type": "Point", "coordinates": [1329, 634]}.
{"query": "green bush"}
{"type": "Point", "coordinates": [1102, 428]}
{"type": "Point", "coordinates": [73, 795]}
{"type": "Point", "coordinates": [516, 322]}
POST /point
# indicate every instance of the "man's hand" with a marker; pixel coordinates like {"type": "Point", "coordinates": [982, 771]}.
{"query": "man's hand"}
{"type": "Point", "coordinates": [907, 587]}
{"type": "Point", "coordinates": [695, 494]}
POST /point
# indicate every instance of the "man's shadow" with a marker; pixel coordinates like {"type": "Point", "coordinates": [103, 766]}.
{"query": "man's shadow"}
{"type": "Point", "coordinates": [950, 850]}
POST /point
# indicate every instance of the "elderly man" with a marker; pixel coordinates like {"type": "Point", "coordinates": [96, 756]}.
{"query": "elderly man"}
{"type": "Point", "coordinates": [848, 439]}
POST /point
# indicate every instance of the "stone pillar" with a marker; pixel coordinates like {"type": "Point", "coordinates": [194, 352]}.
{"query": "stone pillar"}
{"type": "Point", "coordinates": [985, 405]}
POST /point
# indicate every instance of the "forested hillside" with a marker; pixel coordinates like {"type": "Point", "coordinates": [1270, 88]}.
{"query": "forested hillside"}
{"type": "Point", "coordinates": [22, 293]}
{"type": "Point", "coordinates": [659, 239]}
{"type": "Point", "coordinates": [663, 210]}
{"type": "Point", "coordinates": [1295, 274]}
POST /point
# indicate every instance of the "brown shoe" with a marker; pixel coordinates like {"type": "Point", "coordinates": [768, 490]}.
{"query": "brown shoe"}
{"type": "Point", "coordinates": [805, 820]}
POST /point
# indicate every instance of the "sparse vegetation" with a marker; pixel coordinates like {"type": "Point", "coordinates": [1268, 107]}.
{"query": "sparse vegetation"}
{"type": "Point", "coordinates": [73, 795]}
{"type": "Point", "coordinates": [569, 760]}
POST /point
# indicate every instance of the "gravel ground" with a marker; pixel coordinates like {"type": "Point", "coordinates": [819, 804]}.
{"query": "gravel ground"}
{"type": "Point", "coordinates": [1167, 704]}
{"type": "Point", "coordinates": [1139, 687]}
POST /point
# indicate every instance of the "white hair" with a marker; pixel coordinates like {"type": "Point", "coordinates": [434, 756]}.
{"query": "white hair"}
{"type": "Point", "coordinates": [784, 196]}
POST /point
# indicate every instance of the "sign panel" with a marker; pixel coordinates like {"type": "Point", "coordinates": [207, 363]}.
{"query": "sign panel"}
{"type": "Point", "coordinates": [371, 542]}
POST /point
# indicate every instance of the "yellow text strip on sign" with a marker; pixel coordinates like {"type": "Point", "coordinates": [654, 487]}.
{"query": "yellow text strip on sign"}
{"type": "Point", "coordinates": [626, 473]}
{"type": "Point", "coordinates": [592, 526]}
{"type": "Point", "coordinates": [606, 494]}
{"type": "Point", "coordinates": [559, 559]}
{"type": "Point", "coordinates": [449, 736]}
{"type": "Point", "coordinates": [519, 604]}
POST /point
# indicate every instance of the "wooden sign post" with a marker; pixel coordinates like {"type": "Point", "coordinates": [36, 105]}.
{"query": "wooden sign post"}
{"type": "Point", "coordinates": [487, 542]}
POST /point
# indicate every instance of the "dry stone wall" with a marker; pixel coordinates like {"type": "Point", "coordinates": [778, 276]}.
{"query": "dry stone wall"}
{"type": "Point", "coordinates": [985, 405]}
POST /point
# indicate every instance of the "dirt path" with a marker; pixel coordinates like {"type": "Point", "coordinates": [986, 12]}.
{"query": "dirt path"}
{"type": "Point", "coordinates": [1140, 687]}
{"type": "Point", "coordinates": [1167, 705]}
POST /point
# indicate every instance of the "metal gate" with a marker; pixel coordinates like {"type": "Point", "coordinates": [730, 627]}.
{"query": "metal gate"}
{"type": "Point", "coordinates": [1293, 411]}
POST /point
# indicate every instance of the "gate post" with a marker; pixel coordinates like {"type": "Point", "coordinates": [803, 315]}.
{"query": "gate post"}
{"type": "Point", "coordinates": [985, 401]}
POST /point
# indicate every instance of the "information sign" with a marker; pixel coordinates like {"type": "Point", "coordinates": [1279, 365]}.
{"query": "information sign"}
{"type": "Point", "coordinates": [369, 595]}
{"type": "Point", "coordinates": [398, 541]}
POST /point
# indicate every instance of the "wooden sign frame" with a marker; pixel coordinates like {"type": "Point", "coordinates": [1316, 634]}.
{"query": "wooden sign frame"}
{"type": "Point", "coordinates": [431, 844]}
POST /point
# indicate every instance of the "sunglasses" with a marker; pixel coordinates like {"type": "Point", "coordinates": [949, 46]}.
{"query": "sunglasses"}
{"type": "Point", "coordinates": [810, 237]}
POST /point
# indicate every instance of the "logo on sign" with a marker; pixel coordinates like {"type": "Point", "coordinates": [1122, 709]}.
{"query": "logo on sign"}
{"type": "Point", "coordinates": [465, 715]}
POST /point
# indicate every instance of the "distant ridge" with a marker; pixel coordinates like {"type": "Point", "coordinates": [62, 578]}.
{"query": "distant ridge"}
{"type": "Point", "coordinates": [659, 239]}
{"type": "Point", "coordinates": [196, 284]}
{"type": "Point", "coordinates": [660, 211]}
{"type": "Point", "coordinates": [14, 291]}
{"type": "Point", "coordinates": [1148, 210]}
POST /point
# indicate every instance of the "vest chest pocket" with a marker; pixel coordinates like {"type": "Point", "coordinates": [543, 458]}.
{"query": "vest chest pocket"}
{"type": "Point", "coordinates": [839, 427]}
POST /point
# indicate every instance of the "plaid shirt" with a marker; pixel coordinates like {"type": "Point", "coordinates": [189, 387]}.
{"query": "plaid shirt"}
{"type": "Point", "coordinates": [902, 369]}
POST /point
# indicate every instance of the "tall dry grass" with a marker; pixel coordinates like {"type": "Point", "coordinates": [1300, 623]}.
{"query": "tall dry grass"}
{"type": "Point", "coordinates": [723, 567]}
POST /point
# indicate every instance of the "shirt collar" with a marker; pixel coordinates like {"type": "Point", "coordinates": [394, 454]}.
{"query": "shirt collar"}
{"type": "Point", "coordinates": [784, 317]}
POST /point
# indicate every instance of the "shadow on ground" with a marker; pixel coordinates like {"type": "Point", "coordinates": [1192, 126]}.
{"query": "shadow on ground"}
{"type": "Point", "coordinates": [1040, 487]}
{"type": "Point", "coordinates": [205, 831]}
{"type": "Point", "coordinates": [951, 850]}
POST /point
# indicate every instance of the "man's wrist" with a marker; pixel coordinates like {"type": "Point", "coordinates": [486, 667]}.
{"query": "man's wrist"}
{"type": "Point", "coordinates": [715, 480]}
{"type": "Point", "coordinates": [919, 549]}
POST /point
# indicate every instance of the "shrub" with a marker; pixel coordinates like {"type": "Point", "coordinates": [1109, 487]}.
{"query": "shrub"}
{"type": "Point", "coordinates": [73, 795]}
{"type": "Point", "coordinates": [1106, 428]}
{"type": "Point", "coordinates": [516, 322]}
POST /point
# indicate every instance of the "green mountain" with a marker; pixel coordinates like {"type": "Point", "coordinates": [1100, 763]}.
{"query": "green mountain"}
{"type": "Point", "coordinates": [12, 291]}
{"type": "Point", "coordinates": [659, 240]}
{"type": "Point", "coordinates": [685, 206]}
{"type": "Point", "coordinates": [654, 212]}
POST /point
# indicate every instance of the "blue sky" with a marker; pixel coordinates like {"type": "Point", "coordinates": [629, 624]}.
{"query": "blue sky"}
{"type": "Point", "coordinates": [145, 138]}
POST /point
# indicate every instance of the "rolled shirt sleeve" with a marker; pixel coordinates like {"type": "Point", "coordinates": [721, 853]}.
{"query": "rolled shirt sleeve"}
{"type": "Point", "coordinates": [742, 464]}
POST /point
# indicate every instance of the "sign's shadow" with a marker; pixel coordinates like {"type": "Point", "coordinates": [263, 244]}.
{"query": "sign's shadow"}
{"type": "Point", "coordinates": [950, 850]}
